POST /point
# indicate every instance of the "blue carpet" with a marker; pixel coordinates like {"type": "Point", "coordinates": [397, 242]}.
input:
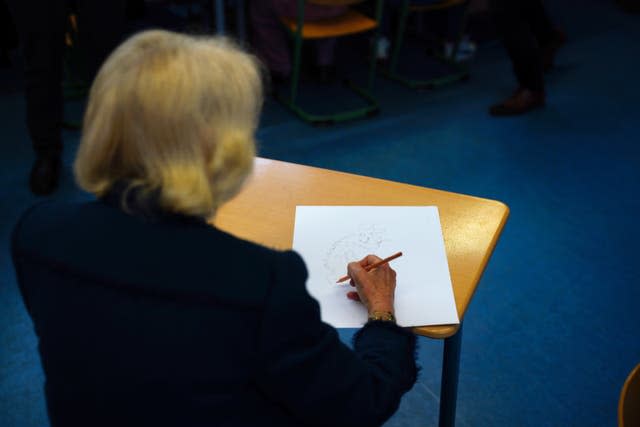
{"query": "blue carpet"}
{"type": "Point", "coordinates": [553, 329]}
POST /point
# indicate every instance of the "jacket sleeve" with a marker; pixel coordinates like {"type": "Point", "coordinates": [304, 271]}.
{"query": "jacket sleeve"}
{"type": "Point", "coordinates": [307, 370]}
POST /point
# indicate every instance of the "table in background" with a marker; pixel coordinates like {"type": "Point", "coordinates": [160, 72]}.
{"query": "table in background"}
{"type": "Point", "coordinates": [264, 212]}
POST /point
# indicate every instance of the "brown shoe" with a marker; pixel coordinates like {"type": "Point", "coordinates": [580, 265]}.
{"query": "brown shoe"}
{"type": "Point", "coordinates": [522, 101]}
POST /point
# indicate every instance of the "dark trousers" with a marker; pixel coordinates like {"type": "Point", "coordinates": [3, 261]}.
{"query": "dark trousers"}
{"type": "Point", "coordinates": [8, 35]}
{"type": "Point", "coordinates": [525, 29]}
{"type": "Point", "coordinates": [41, 26]}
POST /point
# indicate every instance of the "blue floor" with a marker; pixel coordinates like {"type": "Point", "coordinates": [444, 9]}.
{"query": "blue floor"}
{"type": "Point", "coordinates": [554, 327]}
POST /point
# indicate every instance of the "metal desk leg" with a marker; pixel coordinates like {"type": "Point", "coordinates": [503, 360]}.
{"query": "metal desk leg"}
{"type": "Point", "coordinates": [449, 382]}
{"type": "Point", "coordinates": [219, 8]}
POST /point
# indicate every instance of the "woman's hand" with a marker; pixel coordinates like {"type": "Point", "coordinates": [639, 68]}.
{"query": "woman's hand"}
{"type": "Point", "coordinates": [375, 288]}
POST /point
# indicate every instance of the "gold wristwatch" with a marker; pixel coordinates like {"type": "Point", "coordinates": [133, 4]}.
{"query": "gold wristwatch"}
{"type": "Point", "coordinates": [385, 316]}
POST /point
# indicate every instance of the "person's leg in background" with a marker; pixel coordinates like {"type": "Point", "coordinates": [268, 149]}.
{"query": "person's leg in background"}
{"type": "Point", "coordinates": [549, 37]}
{"type": "Point", "coordinates": [388, 26]}
{"type": "Point", "coordinates": [455, 33]}
{"type": "Point", "coordinates": [270, 39]}
{"type": "Point", "coordinates": [41, 25]}
{"type": "Point", "coordinates": [8, 35]}
{"type": "Point", "coordinates": [101, 27]}
{"type": "Point", "coordinates": [513, 24]}
{"type": "Point", "coordinates": [388, 29]}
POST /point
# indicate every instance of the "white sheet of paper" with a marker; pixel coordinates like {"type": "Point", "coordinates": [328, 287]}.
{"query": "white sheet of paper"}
{"type": "Point", "coordinates": [329, 237]}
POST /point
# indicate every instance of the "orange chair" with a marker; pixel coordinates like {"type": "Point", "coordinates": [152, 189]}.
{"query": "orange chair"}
{"type": "Point", "coordinates": [352, 22]}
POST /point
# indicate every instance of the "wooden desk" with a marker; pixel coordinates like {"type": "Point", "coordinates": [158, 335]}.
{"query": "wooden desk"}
{"type": "Point", "coordinates": [264, 212]}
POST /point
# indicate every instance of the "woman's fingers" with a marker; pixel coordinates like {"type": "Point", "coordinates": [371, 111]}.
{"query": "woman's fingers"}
{"type": "Point", "coordinates": [358, 268]}
{"type": "Point", "coordinates": [368, 260]}
{"type": "Point", "coordinates": [353, 295]}
{"type": "Point", "coordinates": [355, 270]}
{"type": "Point", "coordinates": [376, 285]}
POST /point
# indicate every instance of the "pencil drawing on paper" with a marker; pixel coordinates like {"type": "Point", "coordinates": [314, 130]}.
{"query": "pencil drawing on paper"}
{"type": "Point", "coordinates": [366, 240]}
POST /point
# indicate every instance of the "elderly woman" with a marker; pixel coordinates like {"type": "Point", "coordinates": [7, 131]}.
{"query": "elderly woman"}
{"type": "Point", "coordinates": [147, 315]}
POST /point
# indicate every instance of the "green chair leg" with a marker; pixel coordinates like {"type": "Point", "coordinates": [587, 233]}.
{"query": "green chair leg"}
{"type": "Point", "coordinates": [459, 71]}
{"type": "Point", "coordinates": [290, 101]}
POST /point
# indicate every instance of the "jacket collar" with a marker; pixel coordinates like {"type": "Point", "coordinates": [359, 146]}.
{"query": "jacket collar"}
{"type": "Point", "coordinates": [130, 199]}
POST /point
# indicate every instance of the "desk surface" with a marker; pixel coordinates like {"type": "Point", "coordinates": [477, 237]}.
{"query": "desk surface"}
{"type": "Point", "coordinates": [264, 212]}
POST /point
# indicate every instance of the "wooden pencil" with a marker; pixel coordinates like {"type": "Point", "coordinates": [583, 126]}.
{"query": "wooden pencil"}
{"type": "Point", "coordinates": [374, 265]}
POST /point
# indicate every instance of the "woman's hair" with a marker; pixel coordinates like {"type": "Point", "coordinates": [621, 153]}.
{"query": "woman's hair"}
{"type": "Point", "coordinates": [175, 115]}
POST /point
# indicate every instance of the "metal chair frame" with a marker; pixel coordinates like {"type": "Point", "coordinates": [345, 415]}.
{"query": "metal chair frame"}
{"type": "Point", "coordinates": [371, 108]}
{"type": "Point", "coordinates": [460, 71]}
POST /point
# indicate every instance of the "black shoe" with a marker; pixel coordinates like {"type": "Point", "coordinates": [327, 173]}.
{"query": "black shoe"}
{"type": "Point", "coordinates": [45, 175]}
{"type": "Point", "coordinates": [522, 101]}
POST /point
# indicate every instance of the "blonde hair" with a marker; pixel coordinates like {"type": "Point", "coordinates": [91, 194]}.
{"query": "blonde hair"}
{"type": "Point", "coordinates": [174, 114]}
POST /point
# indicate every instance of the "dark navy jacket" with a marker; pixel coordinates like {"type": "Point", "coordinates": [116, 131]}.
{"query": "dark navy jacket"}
{"type": "Point", "coordinates": [163, 320]}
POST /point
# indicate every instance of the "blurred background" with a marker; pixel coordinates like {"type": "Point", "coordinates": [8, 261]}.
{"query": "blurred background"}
{"type": "Point", "coordinates": [553, 329]}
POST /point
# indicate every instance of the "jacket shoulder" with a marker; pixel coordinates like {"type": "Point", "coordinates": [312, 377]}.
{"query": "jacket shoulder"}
{"type": "Point", "coordinates": [106, 245]}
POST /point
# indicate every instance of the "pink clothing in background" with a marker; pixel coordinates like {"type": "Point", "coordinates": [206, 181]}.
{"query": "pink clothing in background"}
{"type": "Point", "coordinates": [270, 38]}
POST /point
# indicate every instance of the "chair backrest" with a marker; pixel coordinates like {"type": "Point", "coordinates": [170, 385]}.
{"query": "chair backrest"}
{"type": "Point", "coordinates": [629, 404]}
{"type": "Point", "coordinates": [335, 2]}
